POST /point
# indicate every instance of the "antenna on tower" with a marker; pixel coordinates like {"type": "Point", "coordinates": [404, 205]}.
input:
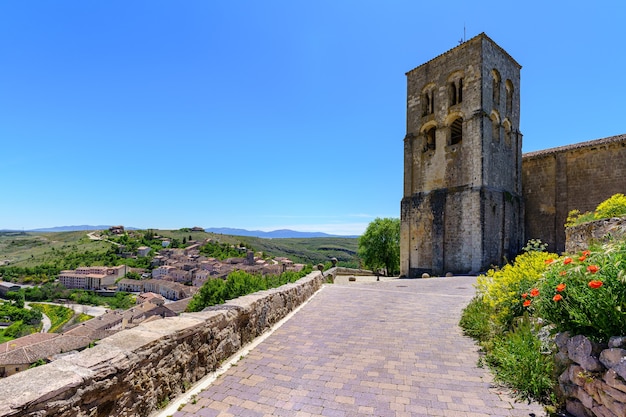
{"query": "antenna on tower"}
{"type": "Point", "coordinates": [462, 40]}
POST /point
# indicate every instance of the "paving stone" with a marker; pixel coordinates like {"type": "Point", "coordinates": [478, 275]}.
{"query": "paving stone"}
{"type": "Point", "coordinates": [388, 348]}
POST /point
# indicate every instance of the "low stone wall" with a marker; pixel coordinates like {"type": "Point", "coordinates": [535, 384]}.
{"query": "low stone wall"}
{"type": "Point", "coordinates": [349, 271]}
{"type": "Point", "coordinates": [593, 381]}
{"type": "Point", "coordinates": [134, 372]}
{"type": "Point", "coordinates": [578, 238]}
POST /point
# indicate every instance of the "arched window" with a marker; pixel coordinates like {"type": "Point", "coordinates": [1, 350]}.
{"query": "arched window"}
{"type": "Point", "coordinates": [428, 99]}
{"type": "Point", "coordinates": [495, 128]}
{"type": "Point", "coordinates": [509, 97]}
{"type": "Point", "coordinates": [452, 93]}
{"type": "Point", "coordinates": [430, 139]}
{"type": "Point", "coordinates": [428, 103]}
{"type": "Point", "coordinates": [507, 132]}
{"type": "Point", "coordinates": [495, 85]}
{"type": "Point", "coordinates": [456, 131]}
{"type": "Point", "coordinates": [455, 91]}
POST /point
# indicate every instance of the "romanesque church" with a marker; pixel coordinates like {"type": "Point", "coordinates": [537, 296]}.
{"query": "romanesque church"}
{"type": "Point", "coordinates": [471, 198]}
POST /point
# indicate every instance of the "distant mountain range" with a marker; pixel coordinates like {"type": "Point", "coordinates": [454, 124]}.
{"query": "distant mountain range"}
{"type": "Point", "coordinates": [275, 234]}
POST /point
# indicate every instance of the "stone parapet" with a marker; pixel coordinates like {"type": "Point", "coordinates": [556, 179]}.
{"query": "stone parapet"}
{"type": "Point", "coordinates": [135, 371]}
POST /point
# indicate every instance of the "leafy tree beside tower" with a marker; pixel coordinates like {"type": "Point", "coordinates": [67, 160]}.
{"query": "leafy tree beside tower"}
{"type": "Point", "coordinates": [379, 246]}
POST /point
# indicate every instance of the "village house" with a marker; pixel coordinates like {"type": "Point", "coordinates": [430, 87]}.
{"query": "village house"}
{"type": "Point", "coordinates": [91, 277]}
{"type": "Point", "coordinates": [143, 251]}
{"type": "Point", "coordinates": [150, 297]}
{"type": "Point", "coordinates": [7, 287]}
{"type": "Point", "coordinates": [178, 275]}
{"type": "Point", "coordinates": [200, 277]}
{"type": "Point", "coordinates": [168, 289]}
{"type": "Point", "coordinates": [162, 271]}
{"type": "Point", "coordinates": [129, 285]}
{"type": "Point", "coordinates": [19, 354]}
{"type": "Point", "coordinates": [117, 230]}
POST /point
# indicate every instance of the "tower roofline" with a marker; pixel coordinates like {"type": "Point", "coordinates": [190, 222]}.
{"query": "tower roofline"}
{"type": "Point", "coordinates": [475, 39]}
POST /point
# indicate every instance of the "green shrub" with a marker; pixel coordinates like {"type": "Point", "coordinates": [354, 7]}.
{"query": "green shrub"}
{"type": "Point", "coordinates": [500, 289]}
{"type": "Point", "coordinates": [586, 293]}
{"type": "Point", "coordinates": [476, 320]}
{"type": "Point", "coordinates": [239, 283]}
{"type": "Point", "coordinates": [497, 318]}
{"type": "Point", "coordinates": [535, 245]}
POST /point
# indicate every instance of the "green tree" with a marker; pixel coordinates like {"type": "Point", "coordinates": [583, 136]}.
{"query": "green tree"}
{"type": "Point", "coordinates": [132, 275]}
{"type": "Point", "coordinates": [17, 297]}
{"type": "Point", "coordinates": [379, 247]}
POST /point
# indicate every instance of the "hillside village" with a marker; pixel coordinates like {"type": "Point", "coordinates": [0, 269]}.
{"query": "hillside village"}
{"type": "Point", "coordinates": [165, 291]}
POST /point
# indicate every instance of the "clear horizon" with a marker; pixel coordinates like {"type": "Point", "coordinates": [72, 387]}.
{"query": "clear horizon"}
{"type": "Point", "coordinates": [262, 116]}
{"type": "Point", "coordinates": [158, 228]}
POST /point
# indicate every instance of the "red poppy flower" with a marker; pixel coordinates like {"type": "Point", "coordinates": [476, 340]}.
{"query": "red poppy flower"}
{"type": "Point", "coordinates": [582, 258]}
{"type": "Point", "coordinates": [557, 297]}
{"type": "Point", "coordinates": [560, 287]}
{"type": "Point", "coordinates": [593, 269]}
{"type": "Point", "coordinates": [567, 261]}
{"type": "Point", "coordinates": [595, 284]}
{"type": "Point", "coordinates": [549, 261]}
{"type": "Point", "coordinates": [534, 292]}
{"type": "Point", "coordinates": [586, 253]}
{"type": "Point", "coordinates": [526, 303]}
{"type": "Point", "coordinates": [563, 273]}
{"type": "Point", "coordinates": [524, 295]}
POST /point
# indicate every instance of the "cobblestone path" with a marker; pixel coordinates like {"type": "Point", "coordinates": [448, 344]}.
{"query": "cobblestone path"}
{"type": "Point", "coordinates": [389, 348]}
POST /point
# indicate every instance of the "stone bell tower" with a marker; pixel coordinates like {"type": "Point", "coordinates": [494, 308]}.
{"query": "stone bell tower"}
{"type": "Point", "coordinates": [461, 210]}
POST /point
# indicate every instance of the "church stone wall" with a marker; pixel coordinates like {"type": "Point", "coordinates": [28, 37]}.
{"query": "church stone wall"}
{"type": "Point", "coordinates": [556, 181]}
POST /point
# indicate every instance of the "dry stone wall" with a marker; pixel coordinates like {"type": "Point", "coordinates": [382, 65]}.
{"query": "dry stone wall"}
{"type": "Point", "coordinates": [134, 371]}
{"type": "Point", "coordinates": [578, 238]}
{"type": "Point", "coordinates": [593, 380]}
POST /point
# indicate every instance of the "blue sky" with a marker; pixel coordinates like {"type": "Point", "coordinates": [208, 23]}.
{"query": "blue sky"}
{"type": "Point", "coordinates": [263, 114]}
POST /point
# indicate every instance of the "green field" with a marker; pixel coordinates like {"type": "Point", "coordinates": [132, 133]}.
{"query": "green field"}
{"type": "Point", "coordinates": [28, 249]}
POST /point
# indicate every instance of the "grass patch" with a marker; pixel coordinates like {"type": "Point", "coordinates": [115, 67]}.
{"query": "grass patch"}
{"type": "Point", "coordinates": [82, 317]}
{"type": "Point", "coordinates": [58, 315]}
{"type": "Point", "coordinates": [519, 359]}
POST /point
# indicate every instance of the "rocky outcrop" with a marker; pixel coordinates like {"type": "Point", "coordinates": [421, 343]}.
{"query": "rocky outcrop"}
{"type": "Point", "coordinates": [579, 237]}
{"type": "Point", "coordinates": [593, 378]}
{"type": "Point", "coordinates": [135, 371]}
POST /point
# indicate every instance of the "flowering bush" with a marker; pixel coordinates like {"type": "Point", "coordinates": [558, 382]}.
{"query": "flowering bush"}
{"type": "Point", "coordinates": [508, 336]}
{"type": "Point", "coordinates": [584, 293]}
{"type": "Point", "coordinates": [500, 289]}
{"type": "Point", "coordinates": [614, 206]}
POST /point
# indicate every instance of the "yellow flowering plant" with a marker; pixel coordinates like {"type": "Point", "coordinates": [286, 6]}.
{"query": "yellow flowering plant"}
{"type": "Point", "coordinates": [501, 288]}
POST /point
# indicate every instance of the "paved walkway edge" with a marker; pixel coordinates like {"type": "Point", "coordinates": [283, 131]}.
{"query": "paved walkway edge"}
{"type": "Point", "coordinates": [205, 382]}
